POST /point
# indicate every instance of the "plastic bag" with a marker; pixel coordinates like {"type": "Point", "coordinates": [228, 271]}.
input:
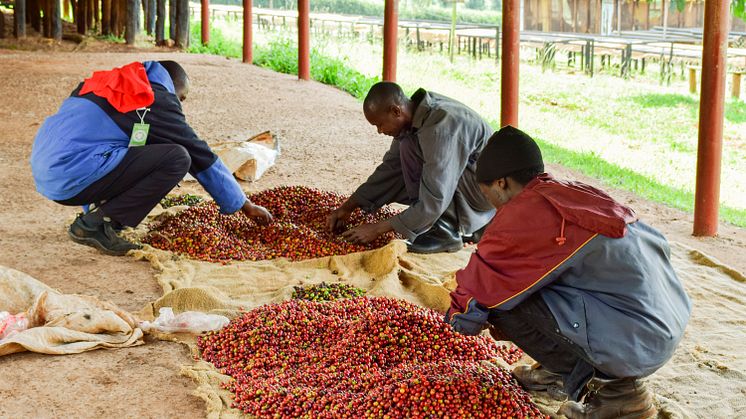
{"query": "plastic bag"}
{"type": "Point", "coordinates": [194, 322]}
{"type": "Point", "coordinates": [11, 324]}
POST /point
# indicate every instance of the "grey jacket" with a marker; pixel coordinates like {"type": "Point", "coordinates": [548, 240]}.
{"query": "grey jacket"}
{"type": "Point", "coordinates": [450, 137]}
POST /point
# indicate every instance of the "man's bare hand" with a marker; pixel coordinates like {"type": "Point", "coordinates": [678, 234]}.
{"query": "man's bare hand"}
{"type": "Point", "coordinates": [257, 213]}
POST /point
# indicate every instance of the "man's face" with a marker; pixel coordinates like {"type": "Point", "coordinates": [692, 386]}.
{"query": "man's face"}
{"type": "Point", "coordinates": [496, 192]}
{"type": "Point", "coordinates": [389, 122]}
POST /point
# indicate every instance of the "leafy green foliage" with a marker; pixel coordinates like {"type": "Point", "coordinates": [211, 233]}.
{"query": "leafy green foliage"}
{"type": "Point", "coordinates": [738, 8]}
{"type": "Point", "coordinates": [281, 55]}
{"type": "Point", "coordinates": [416, 9]}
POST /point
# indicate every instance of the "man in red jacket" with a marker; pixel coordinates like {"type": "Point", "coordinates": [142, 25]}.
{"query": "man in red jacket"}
{"type": "Point", "coordinates": [575, 280]}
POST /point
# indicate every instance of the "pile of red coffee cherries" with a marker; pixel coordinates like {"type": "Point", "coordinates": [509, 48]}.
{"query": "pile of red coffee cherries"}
{"type": "Point", "coordinates": [362, 358]}
{"type": "Point", "coordinates": [297, 233]}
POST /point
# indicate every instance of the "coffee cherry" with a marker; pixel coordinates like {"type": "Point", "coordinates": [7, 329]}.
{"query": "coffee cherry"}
{"type": "Point", "coordinates": [183, 199]}
{"type": "Point", "coordinates": [298, 232]}
{"type": "Point", "coordinates": [361, 357]}
{"type": "Point", "coordinates": [326, 292]}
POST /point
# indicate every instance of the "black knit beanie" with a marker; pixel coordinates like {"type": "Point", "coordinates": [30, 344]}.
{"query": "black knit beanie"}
{"type": "Point", "coordinates": [507, 151]}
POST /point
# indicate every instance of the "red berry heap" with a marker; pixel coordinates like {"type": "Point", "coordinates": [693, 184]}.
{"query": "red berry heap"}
{"type": "Point", "coordinates": [327, 292]}
{"type": "Point", "coordinates": [361, 358]}
{"type": "Point", "coordinates": [298, 232]}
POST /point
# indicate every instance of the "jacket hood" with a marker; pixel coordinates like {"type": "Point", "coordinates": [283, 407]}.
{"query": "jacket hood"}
{"type": "Point", "coordinates": [584, 205]}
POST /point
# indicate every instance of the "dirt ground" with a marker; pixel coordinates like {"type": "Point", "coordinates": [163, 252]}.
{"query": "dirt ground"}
{"type": "Point", "coordinates": [326, 143]}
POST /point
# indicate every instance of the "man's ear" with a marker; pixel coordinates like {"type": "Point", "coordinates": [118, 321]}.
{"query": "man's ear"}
{"type": "Point", "coordinates": [395, 111]}
{"type": "Point", "coordinates": [502, 183]}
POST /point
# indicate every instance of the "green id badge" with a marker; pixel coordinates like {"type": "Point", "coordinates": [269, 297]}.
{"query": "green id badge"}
{"type": "Point", "coordinates": [139, 135]}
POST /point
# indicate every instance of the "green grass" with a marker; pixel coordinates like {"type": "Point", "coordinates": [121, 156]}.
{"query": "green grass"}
{"type": "Point", "coordinates": [657, 126]}
{"type": "Point", "coordinates": [591, 165]}
{"type": "Point", "coordinates": [281, 55]}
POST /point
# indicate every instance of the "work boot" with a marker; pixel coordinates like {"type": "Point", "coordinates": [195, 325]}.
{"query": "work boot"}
{"type": "Point", "coordinates": [476, 236]}
{"type": "Point", "coordinates": [537, 378]}
{"type": "Point", "coordinates": [442, 237]}
{"type": "Point", "coordinates": [100, 234]}
{"type": "Point", "coordinates": [626, 398]}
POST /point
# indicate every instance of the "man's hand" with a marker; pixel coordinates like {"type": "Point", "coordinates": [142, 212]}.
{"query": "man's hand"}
{"type": "Point", "coordinates": [257, 213]}
{"type": "Point", "coordinates": [336, 220]}
{"type": "Point", "coordinates": [366, 233]}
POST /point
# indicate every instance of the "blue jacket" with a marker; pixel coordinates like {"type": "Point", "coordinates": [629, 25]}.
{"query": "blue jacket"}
{"type": "Point", "coordinates": [87, 138]}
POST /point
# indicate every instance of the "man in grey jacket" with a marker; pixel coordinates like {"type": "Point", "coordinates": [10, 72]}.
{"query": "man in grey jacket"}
{"type": "Point", "coordinates": [430, 166]}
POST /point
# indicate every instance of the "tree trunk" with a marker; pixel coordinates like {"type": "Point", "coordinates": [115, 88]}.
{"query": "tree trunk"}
{"type": "Point", "coordinates": [89, 15]}
{"type": "Point", "coordinates": [152, 12]}
{"type": "Point", "coordinates": [105, 17]}
{"type": "Point", "coordinates": [55, 12]}
{"type": "Point", "coordinates": [182, 23]}
{"type": "Point", "coordinates": [46, 6]}
{"type": "Point", "coordinates": [172, 19]}
{"type": "Point", "coordinates": [19, 18]}
{"type": "Point", "coordinates": [131, 28]}
{"type": "Point", "coordinates": [80, 13]}
{"type": "Point", "coordinates": [33, 14]}
{"type": "Point", "coordinates": [97, 13]}
{"type": "Point", "coordinates": [160, 22]}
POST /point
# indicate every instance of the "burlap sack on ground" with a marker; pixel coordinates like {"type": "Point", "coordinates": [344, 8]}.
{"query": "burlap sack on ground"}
{"type": "Point", "coordinates": [62, 324]}
{"type": "Point", "coordinates": [705, 378]}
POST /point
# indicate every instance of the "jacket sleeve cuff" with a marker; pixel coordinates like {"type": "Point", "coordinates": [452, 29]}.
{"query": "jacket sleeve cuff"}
{"type": "Point", "coordinates": [402, 229]}
{"type": "Point", "coordinates": [219, 182]}
{"type": "Point", "coordinates": [364, 203]}
{"type": "Point", "coordinates": [472, 322]}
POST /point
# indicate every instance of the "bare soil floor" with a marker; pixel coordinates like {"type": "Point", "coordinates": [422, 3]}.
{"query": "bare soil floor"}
{"type": "Point", "coordinates": [326, 144]}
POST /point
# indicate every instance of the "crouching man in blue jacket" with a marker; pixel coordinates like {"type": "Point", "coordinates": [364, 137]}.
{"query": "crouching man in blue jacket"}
{"type": "Point", "coordinates": [119, 144]}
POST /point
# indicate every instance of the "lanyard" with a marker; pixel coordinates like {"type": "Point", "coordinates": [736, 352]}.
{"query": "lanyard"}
{"type": "Point", "coordinates": [142, 117]}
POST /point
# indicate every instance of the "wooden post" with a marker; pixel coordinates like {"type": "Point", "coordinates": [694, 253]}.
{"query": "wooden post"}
{"type": "Point", "coordinates": [304, 42]}
{"type": "Point", "coordinates": [248, 35]}
{"type": "Point", "coordinates": [735, 87]}
{"type": "Point", "coordinates": [105, 17]}
{"type": "Point", "coordinates": [510, 63]}
{"type": "Point", "coordinates": [182, 23]}
{"type": "Point", "coordinates": [172, 19]}
{"type": "Point", "coordinates": [390, 38]}
{"type": "Point", "coordinates": [205, 21]}
{"type": "Point", "coordinates": [692, 79]}
{"type": "Point", "coordinates": [160, 23]}
{"type": "Point", "coordinates": [711, 111]}
{"type": "Point", "coordinates": [131, 23]}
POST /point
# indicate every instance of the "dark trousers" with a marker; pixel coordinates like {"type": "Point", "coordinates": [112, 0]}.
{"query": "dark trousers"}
{"type": "Point", "coordinates": [128, 193]}
{"type": "Point", "coordinates": [532, 327]}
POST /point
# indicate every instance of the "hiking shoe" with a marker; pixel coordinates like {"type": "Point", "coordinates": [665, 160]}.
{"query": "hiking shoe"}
{"type": "Point", "coordinates": [101, 236]}
{"type": "Point", "coordinates": [616, 398]}
{"type": "Point", "coordinates": [537, 378]}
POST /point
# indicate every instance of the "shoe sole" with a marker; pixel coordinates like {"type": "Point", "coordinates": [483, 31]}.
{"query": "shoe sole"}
{"type": "Point", "coordinates": [452, 249]}
{"type": "Point", "coordinates": [94, 243]}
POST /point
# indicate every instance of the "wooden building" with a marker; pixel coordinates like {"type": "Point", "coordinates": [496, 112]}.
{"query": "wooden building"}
{"type": "Point", "coordinates": [607, 16]}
